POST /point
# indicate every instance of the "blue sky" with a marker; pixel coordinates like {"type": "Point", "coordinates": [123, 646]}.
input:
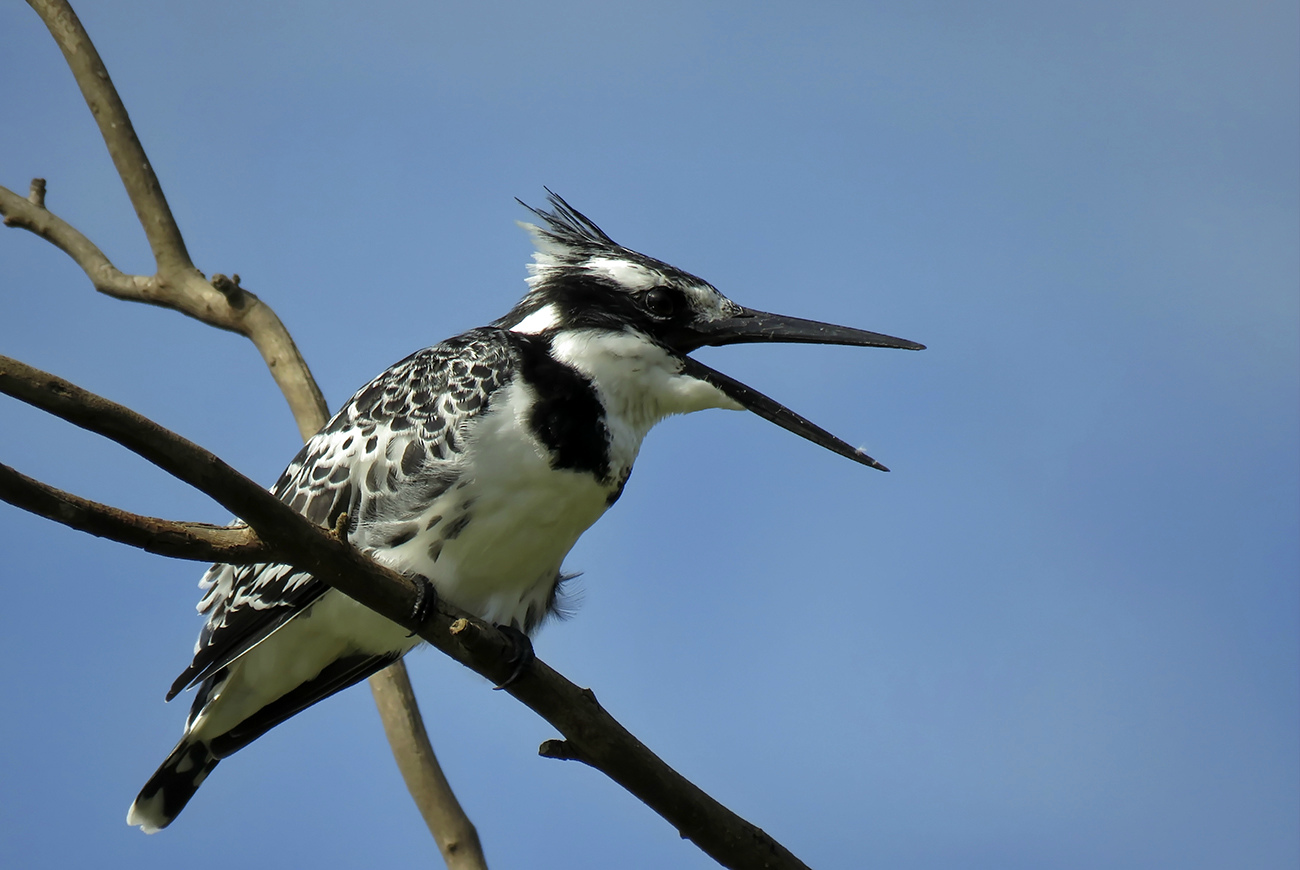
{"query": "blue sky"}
{"type": "Point", "coordinates": [1063, 632]}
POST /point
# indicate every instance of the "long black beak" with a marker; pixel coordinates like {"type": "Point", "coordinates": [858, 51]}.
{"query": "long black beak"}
{"type": "Point", "coordinates": [754, 326]}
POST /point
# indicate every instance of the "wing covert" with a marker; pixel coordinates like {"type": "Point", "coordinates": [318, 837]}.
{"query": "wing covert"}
{"type": "Point", "coordinates": [390, 450]}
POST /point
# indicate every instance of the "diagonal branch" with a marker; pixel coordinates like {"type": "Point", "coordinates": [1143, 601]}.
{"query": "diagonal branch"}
{"type": "Point", "coordinates": [591, 734]}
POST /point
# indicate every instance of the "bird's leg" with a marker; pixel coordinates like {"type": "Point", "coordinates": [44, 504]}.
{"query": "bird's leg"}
{"type": "Point", "coordinates": [426, 600]}
{"type": "Point", "coordinates": [521, 653]}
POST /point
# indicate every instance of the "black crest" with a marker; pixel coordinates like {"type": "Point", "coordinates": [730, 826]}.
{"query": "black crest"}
{"type": "Point", "coordinates": [571, 231]}
{"type": "Point", "coordinates": [569, 238]}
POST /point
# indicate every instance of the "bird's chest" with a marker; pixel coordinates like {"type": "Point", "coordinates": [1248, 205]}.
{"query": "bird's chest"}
{"type": "Point", "coordinates": [536, 475]}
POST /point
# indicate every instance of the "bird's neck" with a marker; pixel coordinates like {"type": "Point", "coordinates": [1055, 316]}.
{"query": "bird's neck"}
{"type": "Point", "coordinates": [637, 382]}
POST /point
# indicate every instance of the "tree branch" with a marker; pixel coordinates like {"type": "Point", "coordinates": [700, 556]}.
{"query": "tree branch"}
{"type": "Point", "coordinates": [115, 126]}
{"type": "Point", "coordinates": [30, 214]}
{"type": "Point", "coordinates": [456, 836]}
{"type": "Point", "coordinates": [591, 734]}
{"type": "Point", "coordinates": [198, 542]}
{"type": "Point", "coordinates": [221, 302]}
{"type": "Point", "coordinates": [177, 284]}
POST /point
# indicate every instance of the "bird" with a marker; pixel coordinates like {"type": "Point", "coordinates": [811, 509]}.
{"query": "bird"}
{"type": "Point", "coordinates": [473, 465]}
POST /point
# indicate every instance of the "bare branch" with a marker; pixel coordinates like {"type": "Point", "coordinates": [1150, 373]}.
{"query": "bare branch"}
{"type": "Point", "coordinates": [30, 214]}
{"type": "Point", "coordinates": [455, 834]}
{"type": "Point", "coordinates": [590, 732]}
{"type": "Point", "coordinates": [119, 135]}
{"type": "Point", "coordinates": [198, 542]}
{"type": "Point", "coordinates": [263, 327]}
{"type": "Point", "coordinates": [221, 303]}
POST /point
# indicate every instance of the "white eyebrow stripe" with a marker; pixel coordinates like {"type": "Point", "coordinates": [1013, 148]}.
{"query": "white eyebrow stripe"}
{"type": "Point", "coordinates": [634, 276]}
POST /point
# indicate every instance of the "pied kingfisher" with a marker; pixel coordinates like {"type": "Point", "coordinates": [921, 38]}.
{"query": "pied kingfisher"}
{"type": "Point", "coordinates": [473, 465]}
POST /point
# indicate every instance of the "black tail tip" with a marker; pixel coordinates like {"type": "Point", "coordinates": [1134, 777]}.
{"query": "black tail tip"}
{"type": "Point", "coordinates": [171, 787]}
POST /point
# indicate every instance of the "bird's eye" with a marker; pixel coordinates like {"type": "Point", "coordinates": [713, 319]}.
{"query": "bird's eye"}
{"type": "Point", "coordinates": [660, 302]}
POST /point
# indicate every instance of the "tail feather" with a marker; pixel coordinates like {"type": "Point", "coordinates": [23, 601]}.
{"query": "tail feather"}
{"type": "Point", "coordinates": [171, 787]}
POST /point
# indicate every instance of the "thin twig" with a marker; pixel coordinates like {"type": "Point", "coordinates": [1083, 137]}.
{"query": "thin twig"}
{"type": "Point", "coordinates": [595, 736]}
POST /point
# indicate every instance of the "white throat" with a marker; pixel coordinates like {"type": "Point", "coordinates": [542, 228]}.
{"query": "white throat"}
{"type": "Point", "coordinates": [638, 382]}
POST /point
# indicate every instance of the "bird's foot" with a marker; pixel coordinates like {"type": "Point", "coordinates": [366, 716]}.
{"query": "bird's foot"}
{"type": "Point", "coordinates": [426, 600]}
{"type": "Point", "coordinates": [521, 653]}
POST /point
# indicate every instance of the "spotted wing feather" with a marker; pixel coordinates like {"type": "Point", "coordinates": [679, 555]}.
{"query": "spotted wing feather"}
{"type": "Point", "coordinates": [394, 447]}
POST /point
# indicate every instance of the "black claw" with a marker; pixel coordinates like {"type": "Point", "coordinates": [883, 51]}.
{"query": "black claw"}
{"type": "Point", "coordinates": [426, 600]}
{"type": "Point", "coordinates": [521, 653]}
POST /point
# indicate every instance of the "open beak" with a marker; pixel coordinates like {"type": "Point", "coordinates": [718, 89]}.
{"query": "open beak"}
{"type": "Point", "coordinates": [750, 326]}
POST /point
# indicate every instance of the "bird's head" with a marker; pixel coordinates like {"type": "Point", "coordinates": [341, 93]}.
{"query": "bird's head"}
{"type": "Point", "coordinates": [581, 279]}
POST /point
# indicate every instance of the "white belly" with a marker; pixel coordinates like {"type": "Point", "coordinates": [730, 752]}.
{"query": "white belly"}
{"type": "Point", "coordinates": [505, 530]}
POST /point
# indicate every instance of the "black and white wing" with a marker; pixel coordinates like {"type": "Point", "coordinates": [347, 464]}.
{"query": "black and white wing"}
{"type": "Point", "coordinates": [393, 448]}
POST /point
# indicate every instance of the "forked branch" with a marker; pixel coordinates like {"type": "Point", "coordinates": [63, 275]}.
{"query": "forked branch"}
{"type": "Point", "coordinates": [177, 284]}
